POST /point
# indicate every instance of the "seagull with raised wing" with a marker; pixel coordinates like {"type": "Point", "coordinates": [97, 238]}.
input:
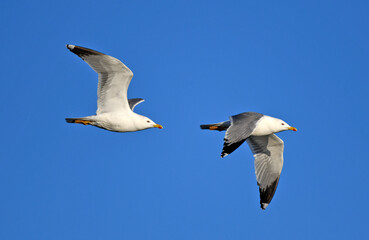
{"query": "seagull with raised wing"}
{"type": "Point", "coordinates": [114, 110]}
{"type": "Point", "coordinates": [258, 131]}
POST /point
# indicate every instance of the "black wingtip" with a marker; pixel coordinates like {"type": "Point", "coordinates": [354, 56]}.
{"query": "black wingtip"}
{"type": "Point", "coordinates": [229, 148]}
{"type": "Point", "coordinates": [70, 46]}
{"type": "Point", "coordinates": [266, 194]}
{"type": "Point", "coordinates": [264, 205]}
{"type": "Point", "coordinates": [82, 51]}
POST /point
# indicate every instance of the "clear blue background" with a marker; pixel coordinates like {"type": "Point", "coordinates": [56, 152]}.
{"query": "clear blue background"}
{"type": "Point", "coordinates": [194, 62]}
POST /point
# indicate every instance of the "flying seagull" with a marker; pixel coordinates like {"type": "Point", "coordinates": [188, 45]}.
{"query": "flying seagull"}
{"type": "Point", "coordinates": [258, 131]}
{"type": "Point", "coordinates": [114, 110]}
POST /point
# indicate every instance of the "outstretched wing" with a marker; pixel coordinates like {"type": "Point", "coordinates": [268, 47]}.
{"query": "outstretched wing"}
{"type": "Point", "coordinates": [134, 101]}
{"type": "Point", "coordinates": [114, 79]}
{"type": "Point", "coordinates": [242, 125]}
{"type": "Point", "coordinates": [268, 154]}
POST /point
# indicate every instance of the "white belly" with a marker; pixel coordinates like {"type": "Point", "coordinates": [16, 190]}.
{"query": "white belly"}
{"type": "Point", "coordinates": [116, 122]}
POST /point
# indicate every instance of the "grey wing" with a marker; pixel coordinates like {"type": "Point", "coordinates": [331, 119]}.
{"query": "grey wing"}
{"type": "Point", "coordinates": [242, 125]}
{"type": "Point", "coordinates": [268, 154]}
{"type": "Point", "coordinates": [134, 101]}
{"type": "Point", "coordinates": [114, 79]}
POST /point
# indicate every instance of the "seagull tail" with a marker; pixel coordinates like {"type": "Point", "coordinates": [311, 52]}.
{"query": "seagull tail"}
{"type": "Point", "coordinates": [70, 120]}
{"type": "Point", "coordinates": [216, 126]}
{"type": "Point", "coordinates": [78, 120]}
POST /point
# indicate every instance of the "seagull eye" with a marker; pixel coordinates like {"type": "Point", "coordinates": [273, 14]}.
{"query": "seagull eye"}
{"type": "Point", "coordinates": [282, 123]}
{"type": "Point", "coordinates": [148, 121]}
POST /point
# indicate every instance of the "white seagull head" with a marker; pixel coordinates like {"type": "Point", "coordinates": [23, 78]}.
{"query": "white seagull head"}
{"type": "Point", "coordinates": [276, 125]}
{"type": "Point", "coordinates": [145, 123]}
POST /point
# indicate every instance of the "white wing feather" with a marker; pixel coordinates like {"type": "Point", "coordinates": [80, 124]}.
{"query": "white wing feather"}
{"type": "Point", "coordinates": [114, 79]}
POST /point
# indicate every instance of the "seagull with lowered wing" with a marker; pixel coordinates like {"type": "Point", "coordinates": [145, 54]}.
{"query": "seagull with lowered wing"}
{"type": "Point", "coordinates": [258, 131]}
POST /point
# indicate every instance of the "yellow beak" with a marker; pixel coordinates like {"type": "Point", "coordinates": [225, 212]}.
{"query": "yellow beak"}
{"type": "Point", "coordinates": [292, 128]}
{"type": "Point", "coordinates": [158, 126]}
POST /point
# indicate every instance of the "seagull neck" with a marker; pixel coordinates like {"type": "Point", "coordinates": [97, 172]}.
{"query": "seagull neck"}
{"type": "Point", "coordinates": [266, 126]}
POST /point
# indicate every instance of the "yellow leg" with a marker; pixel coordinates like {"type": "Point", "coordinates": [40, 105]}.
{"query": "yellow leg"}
{"type": "Point", "coordinates": [84, 122]}
{"type": "Point", "coordinates": [213, 127]}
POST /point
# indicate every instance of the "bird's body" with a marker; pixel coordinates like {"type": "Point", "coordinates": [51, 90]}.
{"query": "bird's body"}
{"type": "Point", "coordinates": [114, 110]}
{"type": "Point", "coordinates": [115, 122]}
{"type": "Point", "coordinates": [258, 131]}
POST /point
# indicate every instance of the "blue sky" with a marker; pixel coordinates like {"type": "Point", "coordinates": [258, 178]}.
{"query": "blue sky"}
{"type": "Point", "coordinates": [194, 62]}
